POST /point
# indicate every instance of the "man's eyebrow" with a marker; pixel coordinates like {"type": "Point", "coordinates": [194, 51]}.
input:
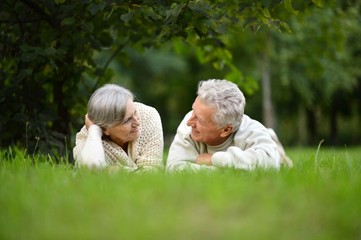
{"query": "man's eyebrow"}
{"type": "Point", "coordinates": [199, 117]}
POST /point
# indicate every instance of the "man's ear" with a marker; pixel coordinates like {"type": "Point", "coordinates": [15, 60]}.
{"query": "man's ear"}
{"type": "Point", "coordinates": [105, 132]}
{"type": "Point", "coordinates": [227, 130]}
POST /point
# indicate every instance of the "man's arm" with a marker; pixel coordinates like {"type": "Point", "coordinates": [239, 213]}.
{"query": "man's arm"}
{"type": "Point", "coordinates": [253, 148]}
{"type": "Point", "coordinates": [183, 151]}
{"type": "Point", "coordinates": [181, 155]}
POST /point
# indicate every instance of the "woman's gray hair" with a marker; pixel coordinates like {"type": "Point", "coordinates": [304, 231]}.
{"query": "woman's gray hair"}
{"type": "Point", "coordinates": [107, 105]}
{"type": "Point", "coordinates": [227, 98]}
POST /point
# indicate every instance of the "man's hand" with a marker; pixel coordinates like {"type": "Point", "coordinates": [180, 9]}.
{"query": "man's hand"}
{"type": "Point", "coordinates": [88, 122]}
{"type": "Point", "coordinates": [204, 159]}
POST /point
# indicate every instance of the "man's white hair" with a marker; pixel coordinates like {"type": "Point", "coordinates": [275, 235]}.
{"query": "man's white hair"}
{"type": "Point", "coordinates": [227, 99]}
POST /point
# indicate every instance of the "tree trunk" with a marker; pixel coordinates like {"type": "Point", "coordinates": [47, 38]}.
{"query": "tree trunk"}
{"type": "Point", "coordinates": [333, 125]}
{"type": "Point", "coordinates": [301, 119]}
{"type": "Point", "coordinates": [62, 123]}
{"type": "Point", "coordinates": [268, 112]}
{"type": "Point", "coordinates": [311, 126]}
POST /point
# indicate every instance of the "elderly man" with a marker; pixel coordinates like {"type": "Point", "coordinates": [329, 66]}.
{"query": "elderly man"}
{"type": "Point", "coordinates": [217, 134]}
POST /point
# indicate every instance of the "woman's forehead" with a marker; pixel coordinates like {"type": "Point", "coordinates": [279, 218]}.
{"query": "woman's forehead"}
{"type": "Point", "coordinates": [130, 108]}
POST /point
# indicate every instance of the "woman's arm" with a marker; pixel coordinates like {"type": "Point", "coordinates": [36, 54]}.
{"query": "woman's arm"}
{"type": "Point", "coordinates": [88, 150]}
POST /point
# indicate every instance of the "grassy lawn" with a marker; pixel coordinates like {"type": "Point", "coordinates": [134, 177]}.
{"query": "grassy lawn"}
{"type": "Point", "coordinates": [319, 198]}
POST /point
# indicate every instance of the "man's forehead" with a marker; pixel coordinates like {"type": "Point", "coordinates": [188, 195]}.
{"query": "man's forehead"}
{"type": "Point", "coordinates": [203, 111]}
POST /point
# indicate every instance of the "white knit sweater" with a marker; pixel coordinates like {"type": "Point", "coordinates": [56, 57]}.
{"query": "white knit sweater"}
{"type": "Point", "coordinates": [146, 152]}
{"type": "Point", "coordinates": [251, 146]}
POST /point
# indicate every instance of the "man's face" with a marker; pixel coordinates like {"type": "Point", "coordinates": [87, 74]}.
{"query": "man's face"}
{"type": "Point", "coordinates": [204, 129]}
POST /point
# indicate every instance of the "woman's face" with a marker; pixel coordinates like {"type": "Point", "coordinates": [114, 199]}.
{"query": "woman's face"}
{"type": "Point", "coordinates": [128, 130]}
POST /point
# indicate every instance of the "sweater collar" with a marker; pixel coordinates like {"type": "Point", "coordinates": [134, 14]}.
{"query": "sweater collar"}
{"type": "Point", "coordinates": [222, 147]}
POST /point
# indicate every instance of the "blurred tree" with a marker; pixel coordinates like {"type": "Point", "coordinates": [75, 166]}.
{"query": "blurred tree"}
{"type": "Point", "coordinates": [317, 66]}
{"type": "Point", "coordinates": [47, 47]}
{"type": "Point", "coordinates": [309, 72]}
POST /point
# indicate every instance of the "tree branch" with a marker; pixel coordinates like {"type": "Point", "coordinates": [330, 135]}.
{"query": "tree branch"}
{"type": "Point", "coordinates": [36, 8]}
{"type": "Point", "coordinates": [120, 47]}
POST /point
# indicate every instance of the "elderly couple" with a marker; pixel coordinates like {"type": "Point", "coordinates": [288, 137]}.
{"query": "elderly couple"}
{"type": "Point", "coordinates": [214, 134]}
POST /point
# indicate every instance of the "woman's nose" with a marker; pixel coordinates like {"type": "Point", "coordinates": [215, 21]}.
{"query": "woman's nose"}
{"type": "Point", "coordinates": [136, 120]}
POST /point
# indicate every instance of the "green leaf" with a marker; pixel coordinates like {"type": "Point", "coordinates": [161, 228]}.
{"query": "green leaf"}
{"type": "Point", "coordinates": [249, 85]}
{"type": "Point", "coordinates": [219, 65]}
{"type": "Point", "coordinates": [28, 57]}
{"type": "Point", "coordinates": [108, 14]}
{"type": "Point", "coordinates": [126, 17]}
{"type": "Point", "coordinates": [49, 51]}
{"type": "Point", "coordinates": [286, 26]}
{"type": "Point", "coordinates": [96, 7]}
{"type": "Point", "coordinates": [59, 2]}
{"type": "Point", "coordinates": [105, 39]}
{"type": "Point", "coordinates": [289, 7]}
{"type": "Point", "coordinates": [266, 13]}
{"type": "Point", "coordinates": [24, 73]}
{"type": "Point", "coordinates": [99, 71]}
{"type": "Point", "coordinates": [221, 28]}
{"type": "Point", "coordinates": [26, 48]}
{"type": "Point", "coordinates": [318, 3]}
{"type": "Point", "coordinates": [67, 21]}
{"type": "Point", "coordinates": [175, 10]}
{"type": "Point", "coordinates": [89, 27]}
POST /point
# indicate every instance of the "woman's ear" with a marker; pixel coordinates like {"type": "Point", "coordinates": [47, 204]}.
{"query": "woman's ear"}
{"type": "Point", "coordinates": [227, 130]}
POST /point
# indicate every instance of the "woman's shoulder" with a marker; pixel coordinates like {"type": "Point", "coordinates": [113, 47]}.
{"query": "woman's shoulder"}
{"type": "Point", "coordinates": [145, 109]}
{"type": "Point", "coordinates": [147, 113]}
{"type": "Point", "coordinates": [150, 119]}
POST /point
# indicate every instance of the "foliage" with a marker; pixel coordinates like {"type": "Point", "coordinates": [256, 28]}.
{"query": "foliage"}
{"type": "Point", "coordinates": [314, 72]}
{"type": "Point", "coordinates": [319, 72]}
{"type": "Point", "coordinates": [317, 55]}
{"type": "Point", "coordinates": [316, 199]}
{"type": "Point", "coordinates": [47, 49]}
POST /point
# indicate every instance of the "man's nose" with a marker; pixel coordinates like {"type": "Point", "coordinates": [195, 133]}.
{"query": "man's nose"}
{"type": "Point", "coordinates": [190, 121]}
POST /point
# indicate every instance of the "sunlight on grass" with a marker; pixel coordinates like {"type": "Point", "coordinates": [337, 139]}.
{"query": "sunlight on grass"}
{"type": "Point", "coordinates": [44, 200]}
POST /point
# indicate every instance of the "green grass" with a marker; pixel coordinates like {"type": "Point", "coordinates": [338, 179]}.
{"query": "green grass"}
{"type": "Point", "coordinates": [319, 198]}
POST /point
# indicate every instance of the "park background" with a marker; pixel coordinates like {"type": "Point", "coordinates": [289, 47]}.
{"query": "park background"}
{"type": "Point", "coordinates": [297, 62]}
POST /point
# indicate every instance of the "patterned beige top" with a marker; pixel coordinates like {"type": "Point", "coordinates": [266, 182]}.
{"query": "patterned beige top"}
{"type": "Point", "coordinates": [146, 152]}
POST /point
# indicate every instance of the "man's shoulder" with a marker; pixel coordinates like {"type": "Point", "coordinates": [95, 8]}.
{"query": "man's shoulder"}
{"type": "Point", "coordinates": [248, 121]}
{"type": "Point", "coordinates": [249, 126]}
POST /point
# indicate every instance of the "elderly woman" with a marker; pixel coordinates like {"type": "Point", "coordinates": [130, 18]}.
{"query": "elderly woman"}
{"type": "Point", "coordinates": [119, 132]}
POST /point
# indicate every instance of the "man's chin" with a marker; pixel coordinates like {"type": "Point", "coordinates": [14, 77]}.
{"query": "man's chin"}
{"type": "Point", "coordinates": [194, 138]}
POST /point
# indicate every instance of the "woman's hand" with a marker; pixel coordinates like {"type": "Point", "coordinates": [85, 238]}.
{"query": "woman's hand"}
{"type": "Point", "coordinates": [88, 122]}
